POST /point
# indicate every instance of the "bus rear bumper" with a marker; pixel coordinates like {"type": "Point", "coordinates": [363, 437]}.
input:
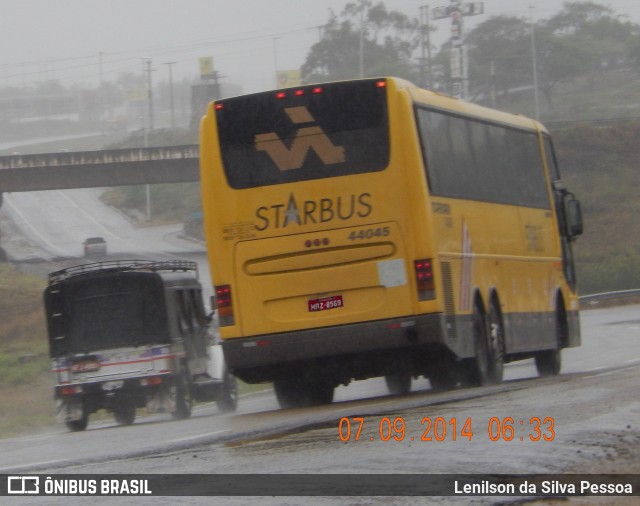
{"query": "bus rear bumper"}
{"type": "Point", "coordinates": [361, 338]}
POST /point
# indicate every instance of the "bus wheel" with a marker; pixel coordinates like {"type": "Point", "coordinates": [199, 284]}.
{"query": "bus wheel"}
{"type": "Point", "coordinates": [289, 392]}
{"type": "Point", "coordinates": [78, 425]}
{"type": "Point", "coordinates": [445, 376]}
{"type": "Point", "coordinates": [398, 382]}
{"type": "Point", "coordinates": [125, 412]}
{"type": "Point", "coordinates": [549, 362]}
{"type": "Point", "coordinates": [478, 373]}
{"type": "Point", "coordinates": [227, 399]}
{"type": "Point", "coordinates": [182, 392]}
{"type": "Point", "coordinates": [320, 391]}
{"type": "Point", "coordinates": [495, 335]}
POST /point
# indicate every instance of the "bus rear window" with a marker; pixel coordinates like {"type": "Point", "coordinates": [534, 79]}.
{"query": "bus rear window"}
{"type": "Point", "coordinates": [305, 133]}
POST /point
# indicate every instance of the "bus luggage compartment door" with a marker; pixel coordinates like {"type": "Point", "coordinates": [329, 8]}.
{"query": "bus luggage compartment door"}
{"type": "Point", "coordinates": [324, 278]}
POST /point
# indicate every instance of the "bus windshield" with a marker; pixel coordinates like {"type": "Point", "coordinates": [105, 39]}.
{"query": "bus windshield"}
{"type": "Point", "coordinates": [306, 133]}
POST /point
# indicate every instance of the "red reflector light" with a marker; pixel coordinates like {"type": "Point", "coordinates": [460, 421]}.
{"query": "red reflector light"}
{"type": "Point", "coordinates": [219, 106]}
{"type": "Point", "coordinates": [317, 90]}
{"type": "Point", "coordinates": [281, 94]}
{"type": "Point", "coordinates": [381, 84]}
{"type": "Point", "coordinates": [424, 279]}
{"type": "Point", "coordinates": [151, 381]}
{"type": "Point", "coordinates": [71, 390]}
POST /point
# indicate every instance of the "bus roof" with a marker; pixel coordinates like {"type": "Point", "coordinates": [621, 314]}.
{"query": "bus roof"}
{"type": "Point", "coordinates": [455, 105]}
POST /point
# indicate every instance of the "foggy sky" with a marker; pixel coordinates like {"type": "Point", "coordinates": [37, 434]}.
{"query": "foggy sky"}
{"type": "Point", "coordinates": [61, 40]}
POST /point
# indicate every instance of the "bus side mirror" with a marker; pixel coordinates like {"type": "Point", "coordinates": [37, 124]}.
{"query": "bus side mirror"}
{"type": "Point", "coordinates": [574, 218]}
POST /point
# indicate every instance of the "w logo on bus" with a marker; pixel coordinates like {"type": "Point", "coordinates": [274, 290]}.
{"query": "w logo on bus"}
{"type": "Point", "coordinates": [306, 138]}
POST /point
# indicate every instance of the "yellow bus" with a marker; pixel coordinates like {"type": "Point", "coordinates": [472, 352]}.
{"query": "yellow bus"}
{"type": "Point", "coordinates": [371, 228]}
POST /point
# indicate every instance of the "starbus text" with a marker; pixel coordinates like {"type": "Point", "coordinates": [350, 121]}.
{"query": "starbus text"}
{"type": "Point", "coordinates": [313, 211]}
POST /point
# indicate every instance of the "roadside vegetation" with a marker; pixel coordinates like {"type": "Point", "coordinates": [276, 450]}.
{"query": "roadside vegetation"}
{"type": "Point", "coordinates": [600, 164]}
{"type": "Point", "coordinates": [26, 387]}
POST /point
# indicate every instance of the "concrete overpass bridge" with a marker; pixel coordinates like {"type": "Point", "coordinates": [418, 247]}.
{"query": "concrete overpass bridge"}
{"type": "Point", "coordinates": [91, 169]}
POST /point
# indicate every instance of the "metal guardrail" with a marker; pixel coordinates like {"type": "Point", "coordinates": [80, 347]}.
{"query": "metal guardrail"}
{"type": "Point", "coordinates": [596, 297]}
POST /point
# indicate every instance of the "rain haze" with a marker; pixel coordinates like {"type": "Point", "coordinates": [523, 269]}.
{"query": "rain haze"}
{"type": "Point", "coordinates": [329, 211]}
{"type": "Point", "coordinates": [85, 40]}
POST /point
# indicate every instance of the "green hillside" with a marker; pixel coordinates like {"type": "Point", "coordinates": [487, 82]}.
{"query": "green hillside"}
{"type": "Point", "coordinates": [26, 385]}
{"type": "Point", "coordinates": [601, 165]}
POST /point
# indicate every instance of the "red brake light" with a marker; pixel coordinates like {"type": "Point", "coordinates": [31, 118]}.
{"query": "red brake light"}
{"type": "Point", "coordinates": [381, 84]}
{"type": "Point", "coordinates": [70, 390]}
{"type": "Point", "coordinates": [298, 93]}
{"type": "Point", "coordinates": [424, 279]}
{"type": "Point", "coordinates": [219, 106]}
{"type": "Point", "coordinates": [224, 304]}
{"type": "Point", "coordinates": [281, 94]}
{"type": "Point", "coordinates": [317, 90]}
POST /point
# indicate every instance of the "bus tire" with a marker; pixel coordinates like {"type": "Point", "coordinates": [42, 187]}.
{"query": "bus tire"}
{"type": "Point", "coordinates": [478, 370]}
{"type": "Point", "coordinates": [495, 340]}
{"type": "Point", "coordinates": [296, 392]}
{"type": "Point", "coordinates": [320, 392]}
{"type": "Point", "coordinates": [78, 425]}
{"type": "Point", "coordinates": [445, 376]}
{"type": "Point", "coordinates": [549, 362]}
{"type": "Point", "coordinates": [125, 412]}
{"type": "Point", "coordinates": [182, 391]}
{"type": "Point", "coordinates": [289, 392]}
{"type": "Point", "coordinates": [398, 382]}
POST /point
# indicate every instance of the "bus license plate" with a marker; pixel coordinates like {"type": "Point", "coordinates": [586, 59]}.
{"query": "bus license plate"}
{"type": "Point", "coordinates": [325, 303]}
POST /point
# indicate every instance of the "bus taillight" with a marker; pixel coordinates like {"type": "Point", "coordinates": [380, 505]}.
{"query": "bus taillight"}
{"type": "Point", "coordinates": [224, 305]}
{"type": "Point", "coordinates": [424, 279]}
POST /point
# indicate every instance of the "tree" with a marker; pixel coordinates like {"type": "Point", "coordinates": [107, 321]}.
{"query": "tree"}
{"type": "Point", "coordinates": [365, 33]}
{"type": "Point", "coordinates": [582, 40]}
{"type": "Point", "coordinates": [499, 44]}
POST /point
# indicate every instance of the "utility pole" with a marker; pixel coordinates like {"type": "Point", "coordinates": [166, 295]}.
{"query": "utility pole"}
{"type": "Point", "coordinates": [101, 99]}
{"type": "Point", "coordinates": [425, 47]}
{"type": "Point", "coordinates": [147, 62]}
{"type": "Point", "coordinates": [534, 58]}
{"type": "Point", "coordinates": [171, 106]}
{"type": "Point", "coordinates": [361, 55]}
{"type": "Point", "coordinates": [148, 70]}
{"type": "Point", "coordinates": [275, 60]}
{"type": "Point", "coordinates": [457, 11]}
